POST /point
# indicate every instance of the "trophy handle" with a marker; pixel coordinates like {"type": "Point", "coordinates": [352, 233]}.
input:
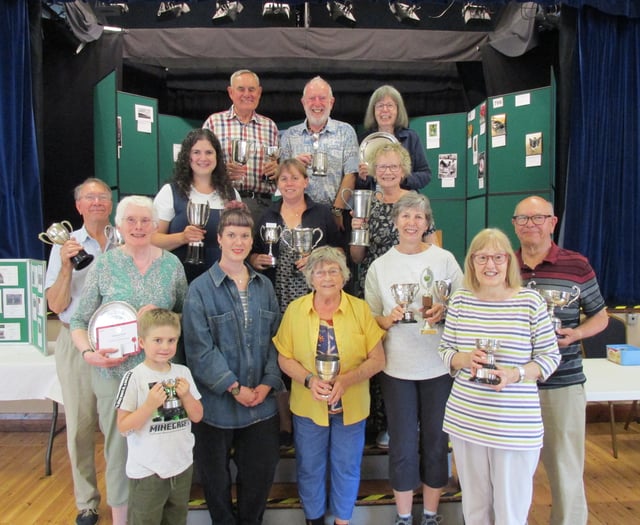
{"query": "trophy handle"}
{"type": "Point", "coordinates": [286, 232]}
{"type": "Point", "coordinates": [532, 285]}
{"type": "Point", "coordinates": [575, 293]}
{"type": "Point", "coordinates": [320, 237]}
{"type": "Point", "coordinates": [67, 226]}
{"type": "Point", "coordinates": [262, 228]}
{"type": "Point", "coordinates": [43, 237]}
{"type": "Point", "coordinates": [346, 200]}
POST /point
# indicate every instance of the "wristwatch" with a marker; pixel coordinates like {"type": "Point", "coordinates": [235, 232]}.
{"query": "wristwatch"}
{"type": "Point", "coordinates": [235, 390]}
{"type": "Point", "coordinates": [336, 211]}
{"type": "Point", "coordinates": [522, 373]}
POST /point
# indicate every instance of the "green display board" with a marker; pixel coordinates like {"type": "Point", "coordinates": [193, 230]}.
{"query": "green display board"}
{"type": "Point", "coordinates": [171, 131]}
{"type": "Point", "coordinates": [105, 140]}
{"type": "Point", "coordinates": [23, 316]}
{"type": "Point", "coordinates": [476, 147]}
{"type": "Point", "coordinates": [450, 217]}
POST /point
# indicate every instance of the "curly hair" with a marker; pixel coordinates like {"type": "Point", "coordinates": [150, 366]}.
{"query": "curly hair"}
{"type": "Point", "coordinates": [182, 174]}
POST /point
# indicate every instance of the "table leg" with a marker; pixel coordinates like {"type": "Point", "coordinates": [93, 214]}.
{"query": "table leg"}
{"type": "Point", "coordinates": [53, 432]}
{"type": "Point", "coordinates": [631, 415]}
{"type": "Point", "coordinates": [612, 423]}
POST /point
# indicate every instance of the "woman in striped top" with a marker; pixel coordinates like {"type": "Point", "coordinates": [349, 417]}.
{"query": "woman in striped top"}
{"type": "Point", "coordinates": [496, 429]}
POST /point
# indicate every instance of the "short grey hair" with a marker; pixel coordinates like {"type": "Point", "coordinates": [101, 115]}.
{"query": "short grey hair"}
{"type": "Point", "coordinates": [326, 255]}
{"type": "Point", "coordinates": [91, 180]}
{"type": "Point", "coordinates": [236, 74]}
{"type": "Point", "coordinates": [317, 80]}
{"type": "Point", "coordinates": [412, 200]}
{"type": "Point", "coordinates": [402, 120]}
{"type": "Point", "coordinates": [135, 200]}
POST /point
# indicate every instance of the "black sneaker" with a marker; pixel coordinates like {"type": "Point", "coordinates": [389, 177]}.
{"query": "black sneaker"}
{"type": "Point", "coordinates": [87, 517]}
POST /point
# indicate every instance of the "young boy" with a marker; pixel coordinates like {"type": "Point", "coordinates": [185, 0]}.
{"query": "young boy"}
{"type": "Point", "coordinates": [157, 424]}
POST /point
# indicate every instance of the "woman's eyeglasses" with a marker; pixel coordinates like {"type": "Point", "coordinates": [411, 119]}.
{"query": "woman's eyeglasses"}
{"type": "Point", "coordinates": [498, 258]}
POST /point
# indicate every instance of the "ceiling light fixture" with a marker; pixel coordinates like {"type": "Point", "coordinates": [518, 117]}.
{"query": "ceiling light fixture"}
{"type": "Point", "coordinates": [342, 12]}
{"type": "Point", "coordinates": [276, 10]}
{"type": "Point", "coordinates": [405, 12]}
{"type": "Point", "coordinates": [226, 12]}
{"type": "Point", "coordinates": [167, 10]}
{"type": "Point", "coordinates": [475, 13]}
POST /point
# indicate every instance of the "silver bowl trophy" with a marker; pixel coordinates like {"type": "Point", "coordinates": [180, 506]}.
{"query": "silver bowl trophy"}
{"type": "Point", "coordinates": [270, 234]}
{"type": "Point", "coordinates": [113, 235]}
{"type": "Point", "coordinates": [403, 295]}
{"type": "Point", "coordinates": [327, 367]}
{"type": "Point", "coordinates": [361, 201]}
{"type": "Point", "coordinates": [172, 406]}
{"type": "Point", "coordinates": [485, 374]}
{"type": "Point", "coordinates": [556, 298]}
{"type": "Point", "coordinates": [300, 240]}
{"type": "Point", "coordinates": [197, 215]}
{"type": "Point", "coordinates": [59, 233]}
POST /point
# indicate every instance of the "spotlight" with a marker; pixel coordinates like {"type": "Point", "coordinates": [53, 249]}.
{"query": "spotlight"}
{"type": "Point", "coordinates": [404, 12]}
{"type": "Point", "coordinates": [167, 10]}
{"type": "Point", "coordinates": [475, 13]}
{"type": "Point", "coordinates": [276, 10]}
{"type": "Point", "coordinates": [226, 12]}
{"type": "Point", "coordinates": [548, 18]}
{"type": "Point", "coordinates": [109, 9]}
{"type": "Point", "coordinates": [342, 12]}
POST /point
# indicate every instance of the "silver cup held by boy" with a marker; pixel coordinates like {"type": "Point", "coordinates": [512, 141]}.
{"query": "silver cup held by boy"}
{"type": "Point", "coordinates": [172, 405]}
{"type": "Point", "coordinates": [59, 233]}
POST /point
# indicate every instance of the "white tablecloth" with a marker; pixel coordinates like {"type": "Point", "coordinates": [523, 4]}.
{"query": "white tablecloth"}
{"type": "Point", "coordinates": [27, 374]}
{"type": "Point", "coordinates": [607, 381]}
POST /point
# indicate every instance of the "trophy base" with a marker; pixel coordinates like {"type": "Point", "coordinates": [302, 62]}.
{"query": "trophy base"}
{"type": "Point", "coordinates": [407, 321]}
{"type": "Point", "coordinates": [82, 260]}
{"type": "Point", "coordinates": [195, 254]}
{"type": "Point", "coordinates": [359, 238]}
{"type": "Point", "coordinates": [428, 330]}
{"type": "Point", "coordinates": [485, 376]}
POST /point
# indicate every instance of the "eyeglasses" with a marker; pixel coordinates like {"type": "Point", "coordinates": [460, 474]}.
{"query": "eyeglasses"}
{"type": "Point", "coordinates": [498, 258]}
{"type": "Point", "coordinates": [333, 272]}
{"type": "Point", "coordinates": [393, 168]}
{"type": "Point", "coordinates": [382, 105]}
{"type": "Point", "coordinates": [133, 221]}
{"type": "Point", "coordinates": [102, 197]}
{"type": "Point", "coordinates": [522, 220]}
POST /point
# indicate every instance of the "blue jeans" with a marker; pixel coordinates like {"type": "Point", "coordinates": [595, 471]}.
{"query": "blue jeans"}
{"type": "Point", "coordinates": [335, 450]}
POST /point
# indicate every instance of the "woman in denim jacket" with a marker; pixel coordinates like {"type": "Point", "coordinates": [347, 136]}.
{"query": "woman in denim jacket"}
{"type": "Point", "coordinates": [229, 317]}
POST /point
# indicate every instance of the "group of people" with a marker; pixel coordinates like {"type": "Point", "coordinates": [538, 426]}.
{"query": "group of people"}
{"type": "Point", "coordinates": [254, 336]}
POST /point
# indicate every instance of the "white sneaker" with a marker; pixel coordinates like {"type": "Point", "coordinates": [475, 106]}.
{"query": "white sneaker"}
{"type": "Point", "coordinates": [382, 439]}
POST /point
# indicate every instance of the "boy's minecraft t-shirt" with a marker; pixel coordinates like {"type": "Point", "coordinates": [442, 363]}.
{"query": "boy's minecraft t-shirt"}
{"type": "Point", "coordinates": [164, 445]}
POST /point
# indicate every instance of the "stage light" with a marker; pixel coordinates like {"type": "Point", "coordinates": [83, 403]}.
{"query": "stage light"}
{"type": "Point", "coordinates": [226, 12]}
{"type": "Point", "coordinates": [168, 10]}
{"type": "Point", "coordinates": [342, 12]}
{"type": "Point", "coordinates": [405, 12]}
{"type": "Point", "coordinates": [475, 13]}
{"type": "Point", "coordinates": [276, 10]}
{"type": "Point", "coordinates": [111, 9]}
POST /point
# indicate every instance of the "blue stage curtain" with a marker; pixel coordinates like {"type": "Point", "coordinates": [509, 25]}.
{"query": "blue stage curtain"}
{"type": "Point", "coordinates": [21, 202]}
{"type": "Point", "coordinates": [603, 185]}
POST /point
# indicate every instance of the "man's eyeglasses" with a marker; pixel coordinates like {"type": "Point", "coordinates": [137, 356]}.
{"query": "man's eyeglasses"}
{"type": "Point", "coordinates": [498, 258]}
{"type": "Point", "coordinates": [102, 197]}
{"type": "Point", "coordinates": [393, 168]}
{"type": "Point", "coordinates": [522, 220]}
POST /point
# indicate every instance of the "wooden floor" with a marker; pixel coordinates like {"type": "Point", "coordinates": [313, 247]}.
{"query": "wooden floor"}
{"type": "Point", "coordinates": [28, 497]}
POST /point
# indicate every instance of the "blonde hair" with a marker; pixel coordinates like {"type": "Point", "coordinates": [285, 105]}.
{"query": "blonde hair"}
{"type": "Point", "coordinates": [398, 149]}
{"type": "Point", "coordinates": [491, 238]}
{"type": "Point", "coordinates": [155, 318]}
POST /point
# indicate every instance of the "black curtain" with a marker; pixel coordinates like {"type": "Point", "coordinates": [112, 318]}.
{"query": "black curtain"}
{"type": "Point", "coordinates": [21, 204]}
{"type": "Point", "coordinates": [603, 187]}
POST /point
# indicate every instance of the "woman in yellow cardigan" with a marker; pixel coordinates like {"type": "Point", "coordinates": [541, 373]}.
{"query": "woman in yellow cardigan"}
{"type": "Point", "coordinates": [329, 416]}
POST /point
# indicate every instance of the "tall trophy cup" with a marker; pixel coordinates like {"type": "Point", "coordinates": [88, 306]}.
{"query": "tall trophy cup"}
{"type": "Point", "coordinates": [197, 215]}
{"type": "Point", "coordinates": [59, 233]}
{"type": "Point", "coordinates": [270, 234]}
{"type": "Point", "coordinates": [300, 240]}
{"type": "Point", "coordinates": [241, 150]}
{"type": "Point", "coordinates": [361, 207]}
{"type": "Point", "coordinates": [556, 298]}
{"type": "Point", "coordinates": [427, 303]}
{"type": "Point", "coordinates": [485, 374]}
{"type": "Point", "coordinates": [403, 295]}
{"type": "Point", "coordinates": [319, 164]}
{"type": "Point", "coordinates": [113, 235]}
{"type": "Point", "coordinates": [328, 367]}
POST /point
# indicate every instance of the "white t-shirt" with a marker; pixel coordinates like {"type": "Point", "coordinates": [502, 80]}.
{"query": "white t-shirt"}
{"type": "Point", "coordinates": [163, 201]}
{"type": "Point", "coordinates": [164, 445]}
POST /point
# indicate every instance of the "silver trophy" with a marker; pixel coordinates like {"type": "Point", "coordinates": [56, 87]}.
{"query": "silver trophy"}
{"type": "Point", "coordinates": [300, 240]}
{"type": "Point", "coordinates": [272, 152]}
{"type": "Point", "coordinates": [485, 374]}
{"type": "Point", "coordinates": [319, 164]}
{"type": "Point", "coordinates": [328, 367]}
{"type": "Point", "coordinates": [403, 294]}
{"type": "Point", "coordinates": [556, 298]}
{"type": "Point", "coordinates": [270, 234]}
{"type": "Point", "coordinates": [197, 215]}
{"type": "Point", "coordinates": [361, 201]}
{"type": "Point", "coordinates": [442, 291]}
{"type": "Point", "coordinates": [59, 233]}
{"type": "Point", "coordinates": [241, 150]}
{"type": "Point", "coordinates": [113, 235]}
{"type": "Point", "coordinates": [172, 405]}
